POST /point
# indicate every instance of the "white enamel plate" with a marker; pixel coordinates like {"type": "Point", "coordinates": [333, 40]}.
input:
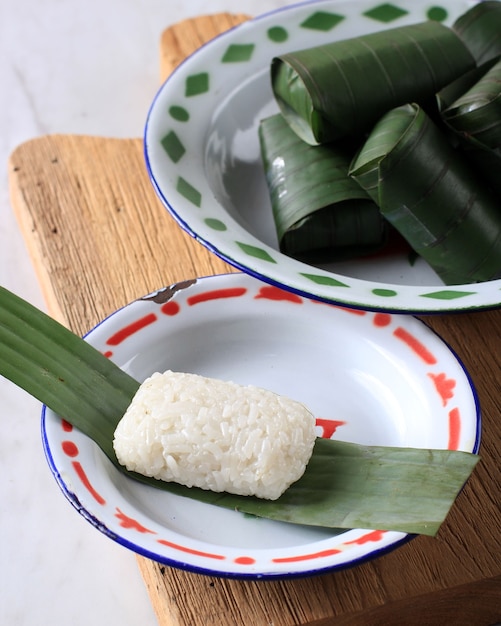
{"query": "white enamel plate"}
{"type": "Point", "coordinates": [369, 377]}
{"type": "Point", "coordinates": [202, 154]}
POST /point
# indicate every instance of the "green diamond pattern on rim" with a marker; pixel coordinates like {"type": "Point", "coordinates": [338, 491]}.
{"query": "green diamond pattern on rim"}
{"type": "Point", "coordinates": [238, 53]}
{"type": "Point", "coordinates": [256, 252]}
{"type": "Point", "coordinates": [173, 146]}
{"type": "Point", "coordinates": [322, 20]}
{"type": "Point", "coordinates": [385, 13]}
{"type": "Point", "coordinates": [215, 224]}
{"type": "Point", "coordinates": [448, 294]}
{"type": "Point", "coordinates": [319, 279]}
{"type": "Point", "coordinates": [179, 113]}
{"type": "Point", "coordinates": [438, 14]}
{"type": "Point", "coordinates": [277, 34]}
{"type": "Point", "coordinates": [196, 84]}
{"type": "Point", "coordinates": [201, 83]}
{"type": "Point", "coordinates": [385, 293]}
{"type": "Point", "coordinates": [189, 192]}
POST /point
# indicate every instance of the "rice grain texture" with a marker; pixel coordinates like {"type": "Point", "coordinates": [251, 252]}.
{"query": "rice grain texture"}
{"type": "Point", "coordinates": [215, 435]}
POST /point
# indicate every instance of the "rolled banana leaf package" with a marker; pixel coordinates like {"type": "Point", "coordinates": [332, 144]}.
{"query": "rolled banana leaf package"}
{"type": "Point", "coordinates": [447, 96]}
{"type": "Point", "coordinates": [475, 119]}
{"type": "Point", "coordinates": [342, 88]}
{"type": "Point", "coordinates": [477, 112]}
{"type": "Point", "coordinates": [486, 162]}
{"type": "Point", "coordinates": [320, 213]}
{"type": "Point", "coordinates": [480, 29]}
{"type": "Point", "coordinates": [429, 193]}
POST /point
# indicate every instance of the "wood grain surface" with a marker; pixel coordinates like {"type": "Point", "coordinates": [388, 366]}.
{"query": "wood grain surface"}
{"type": "Point", "coordinates": [99, 238]}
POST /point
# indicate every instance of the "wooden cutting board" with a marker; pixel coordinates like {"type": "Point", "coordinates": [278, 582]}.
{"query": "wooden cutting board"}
{"type": "Point", "coordinates": [99, 238]}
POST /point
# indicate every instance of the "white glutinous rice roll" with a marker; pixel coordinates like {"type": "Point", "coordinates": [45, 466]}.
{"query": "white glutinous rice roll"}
{"type": "Point", "coordinates": [216, 435]}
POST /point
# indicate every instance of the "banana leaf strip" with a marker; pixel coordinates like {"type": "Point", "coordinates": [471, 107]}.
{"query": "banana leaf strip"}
{"type": "Point", "coordinates": [348, 485]}
{"type": "Point", "coordinates": [480, 29]}
{"type": "Point", "coordinates": [343, 88]}
{"type": "Point", "coordinates": [345, 485]}
{"type": "Point", "coordinates": [61, 370]}
{"type": "Point", "coordinates": [430, 194]}
{"type": "Point", "coordinates": [319, 211]}
{"type": "Point", "coordinates": [447, 96]}
{"type": "Point", "coordinates": [477, 113]}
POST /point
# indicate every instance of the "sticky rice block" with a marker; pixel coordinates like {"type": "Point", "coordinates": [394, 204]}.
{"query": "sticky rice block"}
{"type": "Point", "coordinates": [215, 435]}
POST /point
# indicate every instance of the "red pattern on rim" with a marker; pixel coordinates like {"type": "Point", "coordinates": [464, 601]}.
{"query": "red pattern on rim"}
{"type": "Point", "coordinates": [216, 294]}
{"type": "Point", "coordinates": [375, 535]}
{"type": "Point", "coordinates": [131, 523]}
{"type": "Point", "coordinates": [444, 386]}
{"type": "Point", "coordinates": [415, 345]}
{"type": "Point", "coordinates": [131, 329]}
{"type": "Point", "coordinates": [80, 472]}
{"type": "Point", "coordinates": [276, 294]}
{"type": "Point", "coordinates": [306, 557]}
{"type": "Point", "coordinates": [170, 308]}
{"type": "Point", "coordinates": [328, 427]}
{"type": "Point", "coordinates": [177, 546]}
{"type": "Point", "coordinates": [454, 429]}
{"type": "Point", "coordinates": [70, 448]}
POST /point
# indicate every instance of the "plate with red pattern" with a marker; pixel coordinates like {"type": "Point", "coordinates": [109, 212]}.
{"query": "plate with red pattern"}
{"type": "Point", "coordinates": [373, 378]}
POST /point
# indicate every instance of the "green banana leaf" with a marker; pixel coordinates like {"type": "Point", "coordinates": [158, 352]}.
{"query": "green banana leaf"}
{"type": "Point", "coordinates": [474, 118]}
{"type": "Point", "coordinates": [319, 211]}
{"type": "Point", "coordinates": [61, 370]}
{"type": "Point", "coordinates": [480, 29]}
{"type": "Point", "coordinates": [343, 88]}
{"type": "Point", "coordinates": [344, 486]}
{"type": "Point", "coordinates": [348, 485]}
{"type": "Point", "coordinates": [453, 91]}
{"type": "Point", "coordinates": [430, 194]}
{"type": "Point", "coordinates": [486, 162]}
{"type": "Point", "coordinates": [477, 113]}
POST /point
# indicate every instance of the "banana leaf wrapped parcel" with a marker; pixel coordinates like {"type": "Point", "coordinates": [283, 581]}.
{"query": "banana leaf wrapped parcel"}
{"type": "Point", "coordinates": [475, 121]}
{"type": "Point", "coordinates": [486, 162]}
{"type": "Point", "coordinates": [477, 112]}
{"type": "Point", "coordinates": [428, 191]}
{"type": "Point", "coordinates": [480, 29]}
{"type": "Point", "coordinates": [342, 88]}
{"type": "Point", "coordinates": [420, 106]}
{"type": "Point", "coordinates": [319, 211]}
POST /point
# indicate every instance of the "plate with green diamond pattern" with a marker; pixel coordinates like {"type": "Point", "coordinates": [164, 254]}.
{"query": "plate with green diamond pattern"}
{"type": "Point", "coordinates": [202, 154]}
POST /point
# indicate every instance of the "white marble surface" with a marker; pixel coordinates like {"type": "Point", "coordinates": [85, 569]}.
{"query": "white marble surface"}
{"type": "Point", "coordinates": [89, 67]}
